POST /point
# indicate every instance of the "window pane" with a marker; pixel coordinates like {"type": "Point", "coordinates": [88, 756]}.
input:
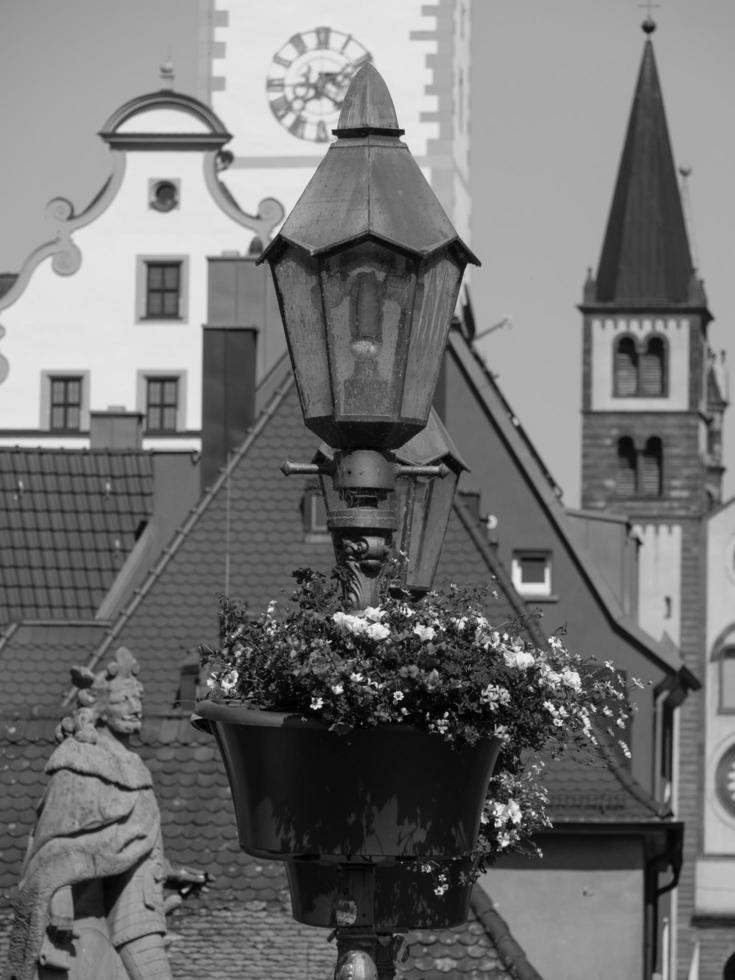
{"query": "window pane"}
{"type": "Point", "coordinates": [652, 368]}
{"type": "Point", "coordinates": [727, 680]}
{"type": "Point", "coordinates": [57, 418]}
{"type": "Point", "coordinates": [627, 467]}
{"type": "Point", "coordinates": [155, 304]}
{"type": "Point", "coordinates": [533, 570]}
{"type": "Point", "coordinates": [650, 468]}
{"type": "Point", "coordinates": [155, 276]}
{"type": "Point", "coordinates": [626, 367]}
{"type": "Point", "coordinates": [170, 304]}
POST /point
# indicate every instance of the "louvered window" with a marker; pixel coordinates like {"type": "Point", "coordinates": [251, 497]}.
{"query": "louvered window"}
{"type": "Point", "coordinates": [627, 467]}
{"type": "Point", "coordinates": [626, 367]}
{"type": "Point", "coordinates": [653, 368]}
{"type": "Point", "coordinates": [651, 460]}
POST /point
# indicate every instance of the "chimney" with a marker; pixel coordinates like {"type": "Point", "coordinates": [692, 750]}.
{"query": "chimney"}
{"type": "Point", "coordinates": [115, 429]}
{"type": "Point", "coordinates": [238, 297]}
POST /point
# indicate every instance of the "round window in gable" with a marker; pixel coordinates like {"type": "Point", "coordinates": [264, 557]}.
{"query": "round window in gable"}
{"type": "Point", "coordinates": [164, 195]}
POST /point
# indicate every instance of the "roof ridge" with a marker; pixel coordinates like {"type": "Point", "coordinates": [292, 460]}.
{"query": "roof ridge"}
{"type": "Point", "coordinates": [499, 571]}
{"type": "Point", "coordinates": [195, 514]}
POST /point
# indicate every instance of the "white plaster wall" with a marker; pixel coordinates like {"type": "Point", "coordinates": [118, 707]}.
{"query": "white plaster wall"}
{"type": "Point", "coordinates": [381, 26]}
{"type": "Point", "coordinates": [569, 921]}
{"type": "Point", "coordinates": [715, 889]}
{"type": "Point", "coordinates": [88, 320]}
{"type": "Point", "coordinates": [604, 333]}
{"type": "Point", "coordinates": [270, 160]}
{"type": "Point", "coordinates": [659, 575]}
{"type": "Point", "coordinates": [719, 824]}
{"type": "Point", "coordinates": [167, 120]}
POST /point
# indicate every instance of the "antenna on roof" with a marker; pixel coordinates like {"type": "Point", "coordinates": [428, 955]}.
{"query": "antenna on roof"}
{"type": "Point", "coordinates": [167, 72]}
{"type": "Point", "coordinates": [505, 322]}
{"type": "Point", "coordinates": [649, 24]}
{"type": "Point", "coordinates": [685, 172]}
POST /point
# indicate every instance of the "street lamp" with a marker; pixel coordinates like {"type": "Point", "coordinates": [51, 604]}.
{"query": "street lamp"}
{"type": "Point", "coordinates": [422, 504]}
{"type": "Point", "coordinates": [367, 270]}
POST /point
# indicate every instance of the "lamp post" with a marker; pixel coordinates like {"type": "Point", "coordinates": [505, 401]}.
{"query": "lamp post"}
{"type": "Point", "coordinates": [367, 270]}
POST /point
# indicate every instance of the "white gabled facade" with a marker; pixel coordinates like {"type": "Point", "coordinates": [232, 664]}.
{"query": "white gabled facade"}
{"type": "Point", "coordinates": [119, 295]}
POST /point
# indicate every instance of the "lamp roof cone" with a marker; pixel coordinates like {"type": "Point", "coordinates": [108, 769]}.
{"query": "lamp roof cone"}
{"type": "Point", "coordinates": [369, 184]}
{"type": "Point", "coordinates": [367, 269]}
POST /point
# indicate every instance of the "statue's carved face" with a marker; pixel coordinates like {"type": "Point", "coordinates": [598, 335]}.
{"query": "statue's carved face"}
{"type": "Point", "coordinates": [124, 709]}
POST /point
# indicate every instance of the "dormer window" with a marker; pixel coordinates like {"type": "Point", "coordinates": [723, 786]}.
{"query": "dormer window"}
{"type": "Point", "coordinates": [531, 573]}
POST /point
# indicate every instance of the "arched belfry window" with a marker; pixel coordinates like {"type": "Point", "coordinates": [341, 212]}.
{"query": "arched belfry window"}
{"type": "Point", "coordinates": [640, 369]}
{"type": "Point", "coordinates": [626, 481]}
{"type": "Point", "coordinates": [626, 367]}
{"type": "Point", "coordinates": [653, 368]}
{"type": "Point", "coordinates": [650, 468]}
{"type": "Point", "coordinates": [639, 472]}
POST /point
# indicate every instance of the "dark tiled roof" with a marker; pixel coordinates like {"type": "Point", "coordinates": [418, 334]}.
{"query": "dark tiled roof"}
{"type": "Point", "coordinates": [68, 521]}
{"type": "Point", "coordinates": [645, 255]}
{"type": "Point", "coordinates": [35, 659]}
{"type": "Point", "coordinates": [599, 790]}
{"type": "Point", "coordinates": [245, 538]}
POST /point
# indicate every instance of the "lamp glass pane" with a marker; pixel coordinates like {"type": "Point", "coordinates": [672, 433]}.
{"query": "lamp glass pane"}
{"type": "Point", "coordinates": [436, 299]}
{"type": "Point", "coordinates": [297, 286]}
{"type": "Point", "coordinates": [368, 294]}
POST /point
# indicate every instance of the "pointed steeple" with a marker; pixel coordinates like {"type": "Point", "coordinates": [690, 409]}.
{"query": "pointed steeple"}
{"type": "Point", "coordinates": [646, 258]}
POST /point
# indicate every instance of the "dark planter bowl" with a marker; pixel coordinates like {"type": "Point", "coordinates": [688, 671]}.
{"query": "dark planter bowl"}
{"type": "Point", "coordinates": [301, 790]}
{"type": "Point", "coordinates": [403, 896]}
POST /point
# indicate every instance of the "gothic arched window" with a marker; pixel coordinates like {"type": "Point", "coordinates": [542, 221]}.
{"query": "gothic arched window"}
{"type": "Point", "coordinates": [626, 367]}
{"type": "Point", "coordinates": [626, 480]}
{"type": "Point", "coordinates": [653, 368]}
{"type": "Point", "coordinates": [651, 468]}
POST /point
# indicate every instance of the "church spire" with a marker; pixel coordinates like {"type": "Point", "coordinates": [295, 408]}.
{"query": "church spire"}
{"type": "Point", "coordinates": [645, 257]}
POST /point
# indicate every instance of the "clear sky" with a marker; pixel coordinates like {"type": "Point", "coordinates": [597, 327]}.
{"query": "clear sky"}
{"type": "Point", "coordinates": [552, 87]}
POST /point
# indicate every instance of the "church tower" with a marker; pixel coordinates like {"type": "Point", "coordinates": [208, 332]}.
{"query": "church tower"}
{"type": "Point", "coordinates": [651, 415]}
{"type": "Point", "coordinates": [653, 399]}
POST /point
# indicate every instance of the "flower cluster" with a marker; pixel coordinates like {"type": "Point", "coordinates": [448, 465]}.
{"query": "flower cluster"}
{"type": "Point", "coordinates": [438, 665]}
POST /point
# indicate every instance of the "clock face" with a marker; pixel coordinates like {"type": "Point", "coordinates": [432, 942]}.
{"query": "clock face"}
{"type": "Point", "coordinates": [308, 78]}
{"type": "Point", "coordinates": [725, 780]}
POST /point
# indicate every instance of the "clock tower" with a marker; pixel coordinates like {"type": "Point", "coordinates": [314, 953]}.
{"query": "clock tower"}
{"type": "Point", "coordinates": [276, 74]}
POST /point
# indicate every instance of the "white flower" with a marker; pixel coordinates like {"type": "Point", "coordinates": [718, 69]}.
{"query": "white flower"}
{"type": "Point", "coordinates": [356, 677]}
{"type": "Point", "coordinates": [373, 613]}
{"type": "Point", "coordinates": [337, 688]}
{"type": "Point", "coordinates": [571, 678]}
{"type": "Point", "coordinates": [398, 696]}
{"type": "Point", "coordinates": [228, 681]}
{"type": "Point", "coordinates": [376, 631]}
{"type": "Point", "coordinates": [424, 633]}
{"type": "Point", "coordinates": [316, 704]}
{"type": "Point", "coordinates": [521, 659]}
{"type": "Point", "coordinates": [494, 695]}
{"type": "Point", "coordinates": [459, 624]}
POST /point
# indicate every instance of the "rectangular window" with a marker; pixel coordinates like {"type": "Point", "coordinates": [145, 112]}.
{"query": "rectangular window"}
{"type": "Point", "coordinates": [161, 404]}
{"type": "Point", "coordinates": [163, 290]}
{"type": "Point", "coordinates": [531, 573]}
{"type": "Point", "coordinates": [65, 405]}
{"type": "Point", "coordinates": [727, 680]}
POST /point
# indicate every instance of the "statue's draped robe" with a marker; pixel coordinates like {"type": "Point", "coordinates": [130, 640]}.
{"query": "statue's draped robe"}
{"type": "Point", "coordinates": [98, 822]}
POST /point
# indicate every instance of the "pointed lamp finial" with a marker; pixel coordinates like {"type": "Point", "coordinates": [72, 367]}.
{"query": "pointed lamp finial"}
{"type": "Point", "coordinates": [368, 107]}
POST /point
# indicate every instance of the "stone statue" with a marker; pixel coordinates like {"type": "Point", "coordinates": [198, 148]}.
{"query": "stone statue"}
{"type": "Point", "coordinates": [90, 903]}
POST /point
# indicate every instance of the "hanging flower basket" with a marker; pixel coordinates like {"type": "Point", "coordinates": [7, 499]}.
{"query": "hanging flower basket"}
{"type": "Point", "coordinates": [300, 789]}
{"type": "Point", "coordinates": [405, 895]}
